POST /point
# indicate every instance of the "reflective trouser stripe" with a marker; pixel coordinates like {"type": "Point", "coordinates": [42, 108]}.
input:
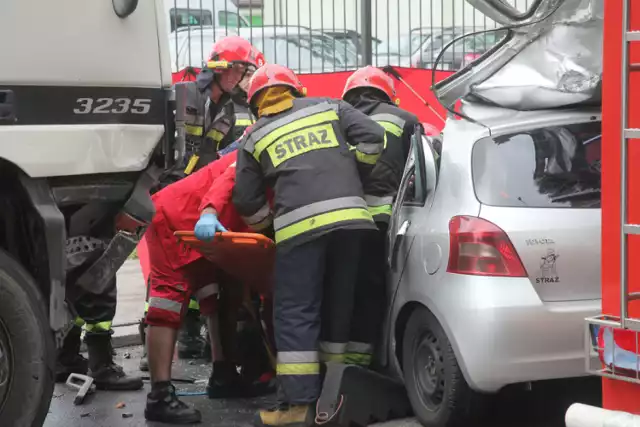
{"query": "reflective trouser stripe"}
{"type": "Point", "coordinates": [207, 291]}
{"type": "Point", "coordinates": [322, 220]}
{"type": "Point", "coordinates": [357, 359]}
{"type": "Point", "coordinates": [261, 219]}
{"type": "Point", "coordinates": [193, 304]}
{"type": "Point", "coordinates": [298, 363]}
{"type": "Point", "coordinates": [332, 351]}
{"type": "Point", "coordinates": [98, 327]}
{"type": "Point", "coordinates": [165, 304]}
{"type": "Point", "coordinates": [146, 307]}
{"type": "Point", "coordinates": [298, 369]}
{"type": "Point", "coordinates": [79, 321]}
{"type": "Point", "coordinates": [358, 353]}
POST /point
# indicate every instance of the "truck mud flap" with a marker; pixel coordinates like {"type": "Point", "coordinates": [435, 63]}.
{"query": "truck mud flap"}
{"type": "Point", "coordinates": [355, 396]}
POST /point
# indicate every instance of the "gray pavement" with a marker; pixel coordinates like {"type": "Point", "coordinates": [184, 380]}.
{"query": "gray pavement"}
{"type": "Point", "coordinates": [543, 406]}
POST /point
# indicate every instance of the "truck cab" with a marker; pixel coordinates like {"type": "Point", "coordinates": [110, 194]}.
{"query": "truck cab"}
{"type": "Point", "coordinates": [86, 130]}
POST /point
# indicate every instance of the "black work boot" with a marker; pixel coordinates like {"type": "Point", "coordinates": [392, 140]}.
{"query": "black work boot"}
{"type": "Point", "coordinates": [191, 344]}
{"type": "Point", "coordinates": [106, 374]}
{"type": "Point", "coordinates": [225, 382]}
{"type": "Point", "coordinates": [164, 406]}
{"type": "Point", "coordinates": [286, 415]}
{"type": "Point", "coordinates": [69, 360]}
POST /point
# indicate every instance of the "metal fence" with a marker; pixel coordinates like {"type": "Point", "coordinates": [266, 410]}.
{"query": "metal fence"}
{"type": "Point", "coordinates": [313, 36]}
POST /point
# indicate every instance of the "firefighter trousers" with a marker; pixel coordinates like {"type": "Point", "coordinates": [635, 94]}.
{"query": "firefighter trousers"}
{"type": "Point", "coordinates": [370, 298]}
{"type": "Point", "coordinates": [313, 303]}
{"type": "Point", "coordinates": [95, 311]}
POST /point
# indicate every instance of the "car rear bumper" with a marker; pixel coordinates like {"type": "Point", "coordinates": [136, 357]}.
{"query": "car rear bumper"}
{"type": "Point", "coordinates": [504, 334]}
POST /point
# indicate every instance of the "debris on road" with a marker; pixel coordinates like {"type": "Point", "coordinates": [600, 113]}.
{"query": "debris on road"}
{"type": "Point", "coordinates": [127, 415]}
{"type": "Point", "coordinates": [120, 405]}
{"type": "Point", "coordinates": [82, 383]}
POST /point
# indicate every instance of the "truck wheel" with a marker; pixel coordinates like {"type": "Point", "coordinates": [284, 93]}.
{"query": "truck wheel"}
{"type": "Point", "coordinates": [27, 351]}
{"type": "Point", "coordinates": [438, 392]}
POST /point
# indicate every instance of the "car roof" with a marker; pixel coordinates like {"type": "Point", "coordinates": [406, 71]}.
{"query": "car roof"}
{"type": "Point", "coordinates": [503, 120]}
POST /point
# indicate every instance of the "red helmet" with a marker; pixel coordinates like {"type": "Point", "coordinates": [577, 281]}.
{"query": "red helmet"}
{"type": "Point", "coordinates": [371, 77]}
{"type": "Point", "coordinates": [274, 75]}
{"type": "Point", "coordinates": [234, 50]}
{"type": "Point", "coordinates": [430, 130]}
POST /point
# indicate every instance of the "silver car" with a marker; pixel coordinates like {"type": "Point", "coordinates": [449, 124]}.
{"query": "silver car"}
{"type": "Point", "coordinates": [494, 257]}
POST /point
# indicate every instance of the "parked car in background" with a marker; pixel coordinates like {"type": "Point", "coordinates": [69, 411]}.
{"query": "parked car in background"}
{"type": "Point", "coordinates": [216, 13]}
{"type": "Point", "coordinates": [354, 41]}
{"type": "Point", "coordinates": [301, 49]}
{"type": "Point", "coordinates": [457, 55]}
{"type": "Point", "coordinates": [395, 51]}
{"type": "Point", "coordinates": [494, 257]}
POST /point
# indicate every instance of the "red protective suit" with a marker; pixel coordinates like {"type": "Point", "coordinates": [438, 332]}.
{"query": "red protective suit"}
{"type": "Point", "coordinates": [178, 271]}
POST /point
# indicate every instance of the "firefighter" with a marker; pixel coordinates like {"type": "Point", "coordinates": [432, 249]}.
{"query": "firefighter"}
{"type": "Point", "coordinates": [372, 92]}
{"type": "Point", "coordinates": [299, 149]}
{"type": "Point", "coordinates": [210, 129]}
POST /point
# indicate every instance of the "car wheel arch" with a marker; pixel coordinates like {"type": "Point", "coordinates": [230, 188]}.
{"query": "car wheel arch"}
{"type": "Point", "coordinates": [400, 325]}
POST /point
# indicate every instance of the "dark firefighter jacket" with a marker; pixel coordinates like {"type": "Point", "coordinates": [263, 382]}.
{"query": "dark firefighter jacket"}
{"type": "Point", "coordinates": [209, 125]}
{"type": "Point", "coordinates": [382, 183]}
{"type": "Point", "coordinates": [303, 155]}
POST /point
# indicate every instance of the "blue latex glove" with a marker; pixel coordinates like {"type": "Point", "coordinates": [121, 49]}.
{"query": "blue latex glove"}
{"type": "Point", "coordinates": [207, 227]}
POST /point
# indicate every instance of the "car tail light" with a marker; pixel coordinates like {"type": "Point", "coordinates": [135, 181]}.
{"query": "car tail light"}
{"type": "Point", "coordinates": [480, 248]}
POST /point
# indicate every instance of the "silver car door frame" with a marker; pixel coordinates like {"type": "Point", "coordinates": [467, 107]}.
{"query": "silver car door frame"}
{"type": "Point", "coordinates": [406, 219]}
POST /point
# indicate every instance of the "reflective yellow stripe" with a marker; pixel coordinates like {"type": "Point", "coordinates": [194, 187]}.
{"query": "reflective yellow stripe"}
{"type": "Point", "coordinates": [357, 359]}
{"type": "Point", "coordinates": [272, 137]}
{"type": "Point", "coordinates": [193, 305]}
{"type": "Point", "coordinates": [380, 210]}
{"type": "Point", "coordinates": [193, 130]}
{"type": "Point", "coordinates": [369, 159]}
{"type": "Point", "coordinates": [391, 128]}
{"type": "Point", "coordinates": [193, 161]}
{"type": "Point", "coordinates": [322, 220]}
{"type": "Point", "coordinates": [79, 321]}
{"type": "Point", "coordinates": [146, 307]}
{"type": "Point", "coordinates": [101, 326]}
{"type": "Point", "coordinates": [298, 369]}
{"type": "Point", "coordinates": [244, 122]}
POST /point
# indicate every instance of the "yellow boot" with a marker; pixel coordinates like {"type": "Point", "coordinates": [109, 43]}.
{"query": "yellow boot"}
{"type": "Point", "coordinates": [285, 415]}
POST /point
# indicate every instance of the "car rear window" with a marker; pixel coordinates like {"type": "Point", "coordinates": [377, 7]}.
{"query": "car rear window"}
{"type": "Point", "coordinates": [551, 167]}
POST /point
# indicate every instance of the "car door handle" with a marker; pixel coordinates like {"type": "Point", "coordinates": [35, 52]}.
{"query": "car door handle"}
{"type": "Point", "coordinates": [402, 231]}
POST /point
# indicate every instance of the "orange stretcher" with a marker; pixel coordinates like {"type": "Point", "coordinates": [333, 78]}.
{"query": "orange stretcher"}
{"type": "Point", "coordinates": [246, 257]}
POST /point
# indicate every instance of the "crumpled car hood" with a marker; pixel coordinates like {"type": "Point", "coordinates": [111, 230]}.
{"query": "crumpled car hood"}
{"type": "Point", "coordinates": [549, 64]}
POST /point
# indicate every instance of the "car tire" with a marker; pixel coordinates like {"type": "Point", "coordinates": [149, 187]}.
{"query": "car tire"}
{"type": "Point", "coordinates": [27, 359]}
{"type": "Point", "coordinates": [439, 394]}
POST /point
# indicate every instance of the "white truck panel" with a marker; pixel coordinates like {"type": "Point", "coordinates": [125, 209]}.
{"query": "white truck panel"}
{"type": "Point", "coordinates": [62, 150]}
{"type": "Point", "coordinates": [82, 43]}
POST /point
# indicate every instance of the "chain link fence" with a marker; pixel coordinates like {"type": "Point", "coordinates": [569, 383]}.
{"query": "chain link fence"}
{"type": "Point", "coordinates": [335, 35]}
